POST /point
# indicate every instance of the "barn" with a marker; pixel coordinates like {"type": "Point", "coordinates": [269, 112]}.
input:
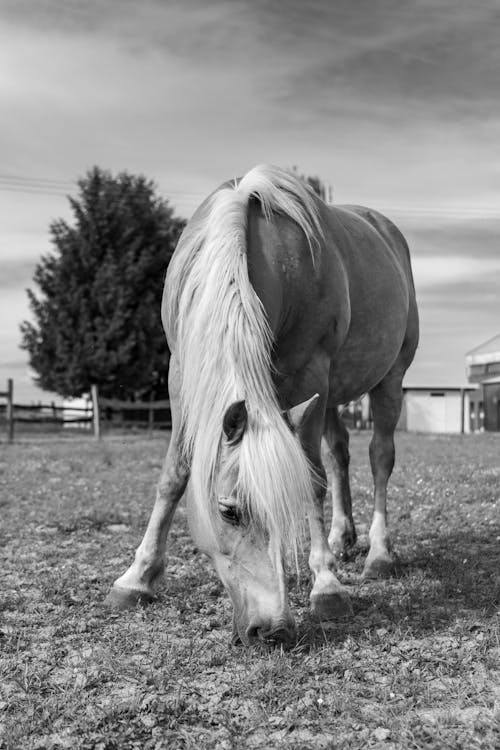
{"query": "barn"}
{"type": "Point", "coordinates": [437, 409]}
{"type": "Point", "coordinates": [483, 368]}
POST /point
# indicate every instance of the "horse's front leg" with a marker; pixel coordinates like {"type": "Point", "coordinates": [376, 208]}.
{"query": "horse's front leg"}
{"type": "Point", "coordinates": [136, 584]}
{"type": "Point", "coordinates": [329, 599]}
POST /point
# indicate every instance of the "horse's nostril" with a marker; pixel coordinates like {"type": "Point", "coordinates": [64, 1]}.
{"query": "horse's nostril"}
{"type": "Point", "coordinates": [281, 636]}
{"type": "Point", "coordinates": [253, 633]}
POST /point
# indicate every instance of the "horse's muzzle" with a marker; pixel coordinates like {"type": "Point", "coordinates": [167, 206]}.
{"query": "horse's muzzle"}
{"type": "Point", "coordinates": [281, 635]}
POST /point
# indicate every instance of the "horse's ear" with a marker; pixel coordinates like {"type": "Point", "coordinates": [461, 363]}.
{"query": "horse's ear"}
{"type": "Point", "coordinates": [235, 421]}
{"type": "Point", "coordinates": [298, 415]}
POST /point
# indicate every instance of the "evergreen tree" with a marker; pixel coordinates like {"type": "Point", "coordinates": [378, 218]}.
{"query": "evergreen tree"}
{"type": "Point", "coordinates": [320, 188]}
{"type": "Point", "coordinates": [97, 312]}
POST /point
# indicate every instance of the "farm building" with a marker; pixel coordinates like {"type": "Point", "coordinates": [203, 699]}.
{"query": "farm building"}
{"type": "Point", "coordinates": [483, 368]}
{"type": "Point", "coordinates": [443, 409]}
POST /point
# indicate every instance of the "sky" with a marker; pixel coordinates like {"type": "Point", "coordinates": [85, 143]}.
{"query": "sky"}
{"type": "Point", "coordinates": [394, 103]}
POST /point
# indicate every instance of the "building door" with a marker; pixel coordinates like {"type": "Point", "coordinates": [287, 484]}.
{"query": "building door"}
{"type": "Point", "coordinates": [492, 407]}
{"type": "Point", "coordinates": [426, 412]}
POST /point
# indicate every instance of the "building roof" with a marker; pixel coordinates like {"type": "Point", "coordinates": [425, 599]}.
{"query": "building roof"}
{"type": "Point", "coordinates": [489, 351]}
{"type": "Point", "coordinates": [440, 388]}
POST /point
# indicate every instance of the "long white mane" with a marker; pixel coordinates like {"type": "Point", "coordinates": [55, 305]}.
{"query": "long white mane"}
{"type": "Point", "coordinates": [222, 340]}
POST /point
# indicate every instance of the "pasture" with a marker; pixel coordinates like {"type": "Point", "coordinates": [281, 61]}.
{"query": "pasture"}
{"type": "Point", "coordinates": [417, 666]}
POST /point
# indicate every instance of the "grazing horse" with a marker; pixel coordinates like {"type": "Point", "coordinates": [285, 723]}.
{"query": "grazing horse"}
{"type": "Point", "coordinates": [277, 309]}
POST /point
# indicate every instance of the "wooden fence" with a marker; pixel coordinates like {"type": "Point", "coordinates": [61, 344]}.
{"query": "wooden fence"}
{"type": "Point", "coordinates": [101, 412]}
{"type": "Point", "coordinates": [111, 412]}
{"type": "Point", "coordinates": [43, 416]}
{"type": "Point", "coordinates": [8, 395]}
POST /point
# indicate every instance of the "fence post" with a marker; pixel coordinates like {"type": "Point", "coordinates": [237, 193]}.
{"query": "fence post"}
{"type": "Point", "coordinates": [10, 410]}
{"type": "Point", "coordinates": [95, 411]}
{"type": "Point", "coordinates": [151, 416]}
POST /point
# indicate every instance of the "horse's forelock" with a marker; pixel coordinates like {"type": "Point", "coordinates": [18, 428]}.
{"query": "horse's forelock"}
{"type": "Point", "coordinates": [274, 480]}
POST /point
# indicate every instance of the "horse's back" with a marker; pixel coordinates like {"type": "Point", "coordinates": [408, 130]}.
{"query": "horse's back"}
{"type": "Point", "coordinates": [359, 219]}
{"type": "Point", "coordinates": [356, 297]}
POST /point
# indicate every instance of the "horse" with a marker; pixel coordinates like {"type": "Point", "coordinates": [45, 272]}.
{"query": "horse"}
{"type": "Point", "coordinates": [277, 309]}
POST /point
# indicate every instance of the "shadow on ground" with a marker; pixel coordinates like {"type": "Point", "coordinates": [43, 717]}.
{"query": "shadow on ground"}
{"type": "Point", "coordinates": [435, 584]}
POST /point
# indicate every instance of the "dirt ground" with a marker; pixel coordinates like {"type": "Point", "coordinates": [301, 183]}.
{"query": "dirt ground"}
{"type": "Point", "coordinates": [417, 666]}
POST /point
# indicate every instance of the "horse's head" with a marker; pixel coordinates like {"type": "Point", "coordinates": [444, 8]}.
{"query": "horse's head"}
{"type": "Point", "coordinates": [260, 489]}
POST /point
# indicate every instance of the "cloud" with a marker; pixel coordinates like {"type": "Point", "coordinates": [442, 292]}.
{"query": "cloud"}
{"type": "Point", "coordinates": [16, 273]}
{"type": "Point", "coordinates": [446, 272]}
{"type": "Point", "coordinates": [443, 51]}
{"type": "Point", "coordinates": [457, 276]}
{"type": "Point", "coordinates": [395, 104]}
{"type": "Point", "coordinates": [476, 236]}
{"type": "Point", "coordinates": [193, 93]}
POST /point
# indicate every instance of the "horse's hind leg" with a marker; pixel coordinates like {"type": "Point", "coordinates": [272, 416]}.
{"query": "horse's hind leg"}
{"type": "Point", "coordinates": [342, 533]}
{"type": "Point", "coordinates": [136, 584]}
{"type": "Point", "coordinates": [386, 399]}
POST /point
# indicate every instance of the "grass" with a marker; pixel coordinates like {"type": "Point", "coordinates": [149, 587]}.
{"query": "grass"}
{"type": "Point", "coordinates": [418, 666]}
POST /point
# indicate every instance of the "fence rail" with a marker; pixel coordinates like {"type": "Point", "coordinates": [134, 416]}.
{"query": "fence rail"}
{"type": "Point", "coordinates": [113, 403]}
{"type": "Point", "coordinates": [52, 407]}
{"type": "Point", "coordinates": [52, 420]}
{"type": "Point", "coordinates": [148, 414]}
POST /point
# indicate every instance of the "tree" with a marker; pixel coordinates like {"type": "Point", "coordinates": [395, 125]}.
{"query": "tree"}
{"type": "Point", "coordinates": [320, 188]}
{"type": "Point", "coordinates": [97, 312]}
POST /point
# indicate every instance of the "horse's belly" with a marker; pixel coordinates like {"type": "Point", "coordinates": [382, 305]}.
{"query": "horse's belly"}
{"type": "Point", "coordinates": [364, 360]}
{"type": "Point", "coordinates": [346, 387]}
{"type": "Point", "coordinates": [380, 306]}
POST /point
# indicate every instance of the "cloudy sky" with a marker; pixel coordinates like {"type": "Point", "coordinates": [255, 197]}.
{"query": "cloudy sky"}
{"type": "Point", "coordinates": [394, 103]}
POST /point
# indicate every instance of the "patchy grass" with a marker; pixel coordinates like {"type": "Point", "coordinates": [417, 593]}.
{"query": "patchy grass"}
{"type": "Point", "coordinates": [416, 667]}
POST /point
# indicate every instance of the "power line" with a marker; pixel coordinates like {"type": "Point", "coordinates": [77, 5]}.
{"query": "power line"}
{"type": "Point", "coordinates": [49, 186]}
{"type": "Point", "coordinates": [38, 180]}
{"type": "Point", "coordinates": [15, 183]}
{"type": "Point", "coordinates": [32, 191]}
{"type": "Point", "coordinates": [34, 185]}
{"type": "Point", "coordinates": [46, 182]}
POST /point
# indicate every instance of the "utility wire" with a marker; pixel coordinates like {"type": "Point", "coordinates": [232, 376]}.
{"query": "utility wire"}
{"type": "Point", "coordinates": [49, 186]}
{"type": "Point", "coordinates": [34, 185]}
{"type": "Point", "coordinates": [15, 183]}
{"type": "Point", "coordinates": [39, 180]}
{"type": "Point", "coordinates": [32, 191]}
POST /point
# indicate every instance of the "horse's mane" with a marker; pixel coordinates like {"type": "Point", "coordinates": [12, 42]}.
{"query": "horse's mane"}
{"type": "Point", "coordinates": [221, 337]}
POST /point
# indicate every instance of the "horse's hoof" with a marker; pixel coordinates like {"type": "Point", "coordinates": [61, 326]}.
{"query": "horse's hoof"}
{"type": "Point", "coordinates": [381, 567]}
{"type": "Point", "coordinates": [121, 599]}
{"type": "Point", "coordinates": [331, 605]}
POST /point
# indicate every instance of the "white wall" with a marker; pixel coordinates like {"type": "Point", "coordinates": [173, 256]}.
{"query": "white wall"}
{"type": "Point", "coordinates": [435, 413]}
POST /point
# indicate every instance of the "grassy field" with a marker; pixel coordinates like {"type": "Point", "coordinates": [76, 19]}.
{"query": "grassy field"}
{"type": "Point", "coordinates": [418, 666]}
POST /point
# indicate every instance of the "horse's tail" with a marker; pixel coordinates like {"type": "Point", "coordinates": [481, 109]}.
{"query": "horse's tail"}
{"type": "Point", "coordinates": [221, 337]}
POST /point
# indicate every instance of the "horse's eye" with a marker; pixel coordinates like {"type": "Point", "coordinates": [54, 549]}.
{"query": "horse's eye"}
{"type": "Point", "coordinates": [229, 513]}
